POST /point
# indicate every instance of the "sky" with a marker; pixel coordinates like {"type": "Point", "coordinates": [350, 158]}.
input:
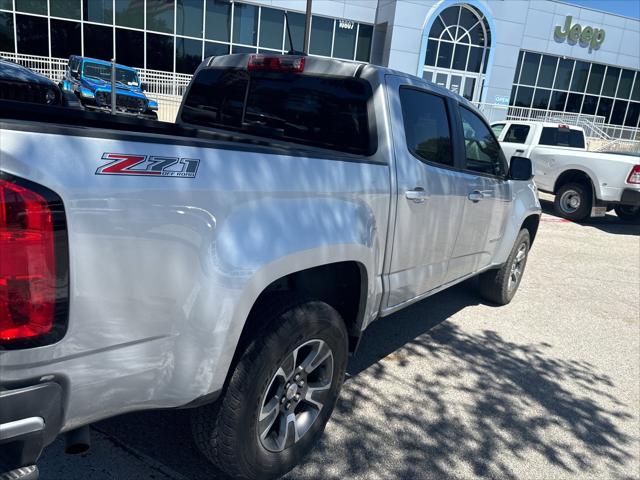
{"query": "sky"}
{"type": "Point", "coordinates": [629, 8]}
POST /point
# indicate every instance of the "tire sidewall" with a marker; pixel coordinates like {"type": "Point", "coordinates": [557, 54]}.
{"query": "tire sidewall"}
{"type": "Point", "coordinates": [583, 210]}
{"type": "Point", "coordinates": [313, 320]}
{"type": "Point", "coordinates": [523, 237]}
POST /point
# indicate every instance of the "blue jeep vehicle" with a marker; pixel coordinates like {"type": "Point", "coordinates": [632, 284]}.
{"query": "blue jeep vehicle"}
{"type": "Point", "coordinates": [90, 80]}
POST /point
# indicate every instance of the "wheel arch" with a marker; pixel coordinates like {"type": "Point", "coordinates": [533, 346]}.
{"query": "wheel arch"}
{"type": "Point", "coordinates": [577, 175]}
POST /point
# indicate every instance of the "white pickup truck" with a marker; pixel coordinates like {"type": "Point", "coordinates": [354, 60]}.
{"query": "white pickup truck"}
{"type": "Point", "coordinates": [584, 183]}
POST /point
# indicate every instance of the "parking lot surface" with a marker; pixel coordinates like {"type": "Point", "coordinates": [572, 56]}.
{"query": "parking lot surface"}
{"type": "Point", "coordinates": [547, 387]}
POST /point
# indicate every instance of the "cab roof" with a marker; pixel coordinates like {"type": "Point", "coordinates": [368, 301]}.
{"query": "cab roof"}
{"type": "Point", "coordinates": [102, 62]}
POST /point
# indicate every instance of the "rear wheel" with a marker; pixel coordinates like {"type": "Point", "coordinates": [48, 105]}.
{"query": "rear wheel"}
{"type": "Point", "coordinates": [573, 201]}
{"type": "Point", "coordinates": [280, 395]}
{"type": "Point", "coordinates": [499, 286]}
{"type": "Point", "coordinates": [628, 213]}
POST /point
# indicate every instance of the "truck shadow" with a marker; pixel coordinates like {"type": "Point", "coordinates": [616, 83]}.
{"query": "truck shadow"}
{"type": "Point", "coordinates": [484, 396]}
{"type": "Point", "coordinates": [610, 223]}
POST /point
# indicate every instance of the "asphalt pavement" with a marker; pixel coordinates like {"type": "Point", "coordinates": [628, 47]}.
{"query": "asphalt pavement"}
{"type": "Point", "coordinates": [547, 387]}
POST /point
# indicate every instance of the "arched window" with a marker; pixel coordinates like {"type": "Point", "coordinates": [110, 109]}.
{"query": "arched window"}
{"type": "Point", "coordinates": [458, 49]}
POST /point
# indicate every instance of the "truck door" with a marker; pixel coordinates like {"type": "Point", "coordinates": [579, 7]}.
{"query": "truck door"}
{"type": "Point", "coordinates": [514, 142]}
{"type": "Point", "coordinates": [487, 198]}
{"type": "Point", "coordinates": [428, 202]}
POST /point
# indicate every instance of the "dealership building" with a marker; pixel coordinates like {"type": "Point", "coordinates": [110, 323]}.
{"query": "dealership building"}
{"type": "Point", "coordinates": [538, 54]}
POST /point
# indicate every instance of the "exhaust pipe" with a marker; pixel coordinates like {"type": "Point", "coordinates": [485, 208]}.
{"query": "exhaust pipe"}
{"type": "Point", "coordinates": [77, 441]}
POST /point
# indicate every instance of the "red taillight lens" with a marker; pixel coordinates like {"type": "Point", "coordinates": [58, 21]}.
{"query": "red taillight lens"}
{"type": "Point", "coordinates": [634, 176]}
{"type": "Point", "coordinates": [27, 263]}
{"type": "Point", "coordinates": [272, 63]}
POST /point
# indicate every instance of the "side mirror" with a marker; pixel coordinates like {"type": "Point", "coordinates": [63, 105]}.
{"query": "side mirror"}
{"type": "Point", "coordinates": [144, 86]}
{"type": "Point", "coordinates": [520, 169]}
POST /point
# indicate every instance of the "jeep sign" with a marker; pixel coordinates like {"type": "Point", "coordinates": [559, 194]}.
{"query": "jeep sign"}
{"type": "Point", "coordinates": [593, 37]}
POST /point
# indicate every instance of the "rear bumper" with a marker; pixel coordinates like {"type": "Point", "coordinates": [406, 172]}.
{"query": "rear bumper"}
{"type": "Point", "coordinates": [630, 197]}
{"type": "Point", "coordinates": [30, 419]}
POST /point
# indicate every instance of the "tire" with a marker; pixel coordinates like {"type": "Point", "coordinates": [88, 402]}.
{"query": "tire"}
{"type": "Point", "coordinates": [230, 434]}
{"type": "Point", "coordinates": [573, 201]}
{"type": "Point", "coordinates": [628, 213]}
{"type": "Point", "coordinates": [495, 285]}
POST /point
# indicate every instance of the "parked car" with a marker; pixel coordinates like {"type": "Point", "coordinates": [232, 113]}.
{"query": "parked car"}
{"type": "Point", "coordinates": [230, 263]}
{"type": "Point", "coordinates": [90, 80]}
{"type": "Point", "coordinates": [584, 183]}
{"type": "Point", "coordinates": [20, 84]}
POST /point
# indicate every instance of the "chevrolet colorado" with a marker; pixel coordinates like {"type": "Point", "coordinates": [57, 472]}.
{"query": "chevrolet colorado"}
{"type": "Point", "coordinates": [230, 263]}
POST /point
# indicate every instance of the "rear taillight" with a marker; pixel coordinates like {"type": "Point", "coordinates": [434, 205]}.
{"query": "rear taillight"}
{"type": "Point", "coordinates": [33, 264]}
{"type": "Point", "coordinates": [276, 63]}
{"type": "Point", "coordinates": [634, 176]}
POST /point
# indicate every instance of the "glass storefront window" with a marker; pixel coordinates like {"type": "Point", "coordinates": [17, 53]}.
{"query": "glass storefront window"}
{"type": "Point", "coordinates": [189, 16]}
{"type": "Point", "coordinates": [6, 4]}
{"type": "Point", "coordinates": [541, 98]}
{"type": "Point", "coordinates": [529, 71]}
{"type": "Point", "coordinates": [212, 49]}
{"type": "Point", "coordinates": [444, 55]}
{"type": "Point", "coordinates": [130, 13]}
{"type": "Point", "coordinates": [524, 97]}
{"type": "Point", "coordinates": [65, 38]}
{"type": "Point", "coordinates": [218, 20]}
{"type": "Point", "coordinates": [344, 42]}
{"type": "Point", "coordinates": [610, 81]}
{"type": "Point", "coordinates": [624, 87]}
{"type": "Point", "coordinates": [365, 33]}
{"type": "Point", "coordinates": [32, 6]}
{"type": "Point", "coordinates": [579, 80]}
{"type": "Point", "coordinates": [6, 32]}
{"type": "Point", "coordinates": [633, 115]}
{"type": "Point", "coordinates": [558, 101]}
{"type": "Point", "coordinates": [130, 47]}
{"type": "Point", "coordinates": [159, 52]}
{"type": "Point", "coordinates": [32, 35]}
{"type": "Point", "coordinates": [563, 75]}
{"type": "Point", "coordinates": [547, 71]}
{"type": "Point", "coordinates": [595, 79]}
{"type": "Point", "coordinates": [589, 105]}
{"type": "Point", "coordinates": [99, 11]}
{"type": "Point", "coordinates": [188, 55]}
{"type": "Point", "coordinates": [271, 28]}
{"type": "Point", "coordinates": [245, 24]}
{"type": "Point", "coordinates": [296, 26]}
{"type": "Point", "coordinates": [574, 103]}
{"type": "Point", "coordinates": [604, 108]}
{"type": "Point", "coordinates": [98, 41]}
{"type": "Point", "coordinates": [618, 112]}
{"type": "Point", "coordinates": [65, 8]}
{"type": "Point", "coordinates": [460, 57]}
{"type": "Point", "coordinates": [160, 16]}
{"type": "Point", "coordinates": [241, 49]}
{"type": "Point", "coordinates": [321, 34]}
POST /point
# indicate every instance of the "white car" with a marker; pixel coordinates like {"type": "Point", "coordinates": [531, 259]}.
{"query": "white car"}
{"type": "Point", "coordinates": [584, 183]}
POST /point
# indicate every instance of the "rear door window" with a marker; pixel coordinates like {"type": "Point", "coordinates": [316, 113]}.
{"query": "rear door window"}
{"type": "Point", "coordinates": [562, 137]}
{"type": "Point", "coordinates": [320, 111]}
{"type": "Point", "coordinates": [426, 126]}
{"type": "Point", "coordinates": [497, 129]}
{"type": "Point", "coordinates": [517, 133]}
{"type": "Point", "coordinates": [483, 151]}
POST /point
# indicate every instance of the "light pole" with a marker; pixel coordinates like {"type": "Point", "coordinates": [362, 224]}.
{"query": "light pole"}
{"type": "Point", "coordinates": [307, 28]}
{"type": "Point", "coordinates": [113, 86]}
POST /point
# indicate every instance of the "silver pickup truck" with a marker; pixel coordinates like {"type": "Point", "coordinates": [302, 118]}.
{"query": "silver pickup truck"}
{"type": "Point", "coordinates": [230, 262]}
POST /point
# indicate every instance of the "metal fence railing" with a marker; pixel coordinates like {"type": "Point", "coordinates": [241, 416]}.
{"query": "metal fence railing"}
{"type": "Point", "coordinates": [600, 136]}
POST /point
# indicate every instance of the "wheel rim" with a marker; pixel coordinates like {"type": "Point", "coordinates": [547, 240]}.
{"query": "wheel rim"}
{"type": "Point", "coordinates": [570, 201]}
{"type": "Point", "coordinates": [295, 396]}
{"type": "Point", "coordinates": [517, 267]}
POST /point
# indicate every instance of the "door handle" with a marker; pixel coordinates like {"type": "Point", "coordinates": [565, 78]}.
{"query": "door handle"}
{"type": "Point", "coordinates": [520, 150]}
{"type": "Point", "coordinates": [475, 196]}
{"type": "Point", "coordinates": [417, 195]}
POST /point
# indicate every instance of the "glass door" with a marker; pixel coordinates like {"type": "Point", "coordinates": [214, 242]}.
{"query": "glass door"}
{"type": "Point", "coordinates": [458, 82]}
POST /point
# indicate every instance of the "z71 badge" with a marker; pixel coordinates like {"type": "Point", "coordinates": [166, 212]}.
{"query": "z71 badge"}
{"type": "Point", "coordinates": [123, 164]}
